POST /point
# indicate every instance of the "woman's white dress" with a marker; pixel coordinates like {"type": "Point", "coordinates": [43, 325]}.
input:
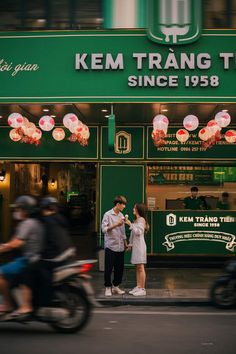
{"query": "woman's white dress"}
{"type": "Point", "coordinates": [139, 248]}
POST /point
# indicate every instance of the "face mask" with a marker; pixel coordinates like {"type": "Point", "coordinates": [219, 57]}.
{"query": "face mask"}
{"type": "Point", "coordinates": [17, 215]}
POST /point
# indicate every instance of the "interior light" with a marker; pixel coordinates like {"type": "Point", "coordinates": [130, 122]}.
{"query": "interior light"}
{"type": "Point", "coordinates": [2, 175]}
{"type": "Point", "coordinates": [107, 116]}
{"type": "Point", "coordinates": [104, 110]}
{"type": "Point", "coordinates": [53, 182]}
{"type": "Point", "coordinates": [46, 110]}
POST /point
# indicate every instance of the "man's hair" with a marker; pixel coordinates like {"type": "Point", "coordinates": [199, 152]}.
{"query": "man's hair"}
{"type": "Point", "coordinates": [194, 189]}
{"type": "Point", "coordinates": [225, 194]}
{"type": "Point", "coordinates": [120, 199]}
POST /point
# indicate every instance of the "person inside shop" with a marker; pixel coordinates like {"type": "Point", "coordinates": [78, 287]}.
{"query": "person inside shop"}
{"type": "Point", "coordinates": [223, 203]}
{"type": "Point", "coordinates": [138, 246]}
{"type": "Point", "coordinates": [194, 202]}
{"type": "Point", "coordinates": [113, 228]}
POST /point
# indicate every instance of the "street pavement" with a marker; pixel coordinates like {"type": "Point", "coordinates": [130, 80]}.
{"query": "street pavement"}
{"type": "Point", "coordinates": [165, 286]}
{"type": "Point", "coordinates": [128, 329]}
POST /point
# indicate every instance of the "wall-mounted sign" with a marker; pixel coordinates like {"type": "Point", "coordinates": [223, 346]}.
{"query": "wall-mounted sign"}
{"type": "Point", "coordinates": [117, 66]}
{"type": "Point", "coordinates": [129, 143]}
{"type": "Point", "coordinates": [190, 150]}
{"type": "Point", "coordinates": [187, 232]}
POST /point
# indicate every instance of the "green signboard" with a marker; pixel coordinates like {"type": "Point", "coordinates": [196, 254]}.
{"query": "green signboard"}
{"type": "Point", "coordinates": [129, 143]}
{"type": "Point", "coordinates": [190, 150]}
{"type": "Point", "coordinates": [115, 66]}
{"type": "Point", "coordinates": [194, 232]}
{"type": "Point", "coordinates": [49, 148]}
{"type": "Point", "coordinates": [193, 175]}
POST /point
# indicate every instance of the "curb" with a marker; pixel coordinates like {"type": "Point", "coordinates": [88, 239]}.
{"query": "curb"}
{"type": "Point", "coordinates": [154, 302]}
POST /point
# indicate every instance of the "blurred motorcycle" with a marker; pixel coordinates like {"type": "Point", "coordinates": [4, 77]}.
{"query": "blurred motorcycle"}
{"type": "Point", "coordinates": [223, 290]}
{"type": "Point", "coordinates": [73, 299]}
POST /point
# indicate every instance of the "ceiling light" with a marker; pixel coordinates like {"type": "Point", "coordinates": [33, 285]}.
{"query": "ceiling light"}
{"type": "Point", "coordinates": [107, 116]}
{"type": "Point", "coordinates": [104, 110]}
{"type": "Point", "coordinates": [53, 116]}
{"type": "Point", "coordinates": [164, 110]}
{"type": "Point", "coordinates": [46, 110]}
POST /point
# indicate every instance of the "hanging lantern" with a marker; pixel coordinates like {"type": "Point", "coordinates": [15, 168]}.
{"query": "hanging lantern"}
{"type": "Point", "coordinates": [213, 127]}
{"type": "Point", "coordinates": [75, 125]}
{"type": "Point", "coordinates": [85, 134]}
{"type": "Point", "coordinates": [70, 118]}
{"type": "Point", "coordinates": [204, 134]}
{"type": "Point", "coordinates": [182, 135]}
{"type": "Point", "coordinates": [58, 134]}
{"type": "Point", "coordinates": [29, 129]}
{"type": "Point", "coordinates": [230, 136]}
{"type": "Point", "coordinates": [222, 119]}
{"type": "Point", "coordinates": [14, 135]}
{"type": "Point", "coordinates": [190, 122]}
{"type": "Point", "coordinates": [46, 123]}
{"type": "Point", "coordinates": [15, 120]}
{"type": "Point", "coordinates": [37, 134]}
{"type": "Point", "coordinates": [160, 122]}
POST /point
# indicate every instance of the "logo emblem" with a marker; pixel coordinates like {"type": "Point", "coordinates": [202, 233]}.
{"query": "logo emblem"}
{"type": "Point", "coordinates": [174, 21]}
{"type": "Point", "coordinates": [171, 220]}
{"type": "Point", "coordinates": [123, 143]}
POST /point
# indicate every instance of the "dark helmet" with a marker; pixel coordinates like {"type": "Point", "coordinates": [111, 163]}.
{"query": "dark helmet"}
{"type": "Point", "coordinates": [49, 203]}
{"type": "Point", "coordinates": [26, 203]}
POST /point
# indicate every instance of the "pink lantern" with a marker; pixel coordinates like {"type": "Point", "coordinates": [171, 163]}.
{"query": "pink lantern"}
{"type": "Point", "coordinates": [29, 129]}
{"type": "Point", "coordinates": [204, 134]}
{"type": "Point", "coordinates": [182, 135]}
{"type": "Point", "coordinates": [37, 134]}
{"type": "Point", "coordinates": [58, 134]}
{"type": "Point", "coordinates": [213, 127]}
{"type": "Point", "coordinates": [70, 118]}
{"type": "Point", "coordinates": [14, 135]}
{"type": "Point", "coordinates": [15, 120]}
{"type": "Point", "coordinates": [191, 122]}
{"type": "Point", "coordinates": [222, 119]}
{"type": "Point", "coordinates": [230, 136]}
{"type": "Point", "coordinates": [46, 123]}
{"type": "Point", "coordinates": [160, 122]}
{"type": "Point", "coordinates": [85, 134]}
{"type": "Point", "coordinates": [75, 126]}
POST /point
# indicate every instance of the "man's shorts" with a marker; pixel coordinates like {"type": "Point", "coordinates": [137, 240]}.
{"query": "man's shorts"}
{"type": "Point", "coordinates": [12, 269]}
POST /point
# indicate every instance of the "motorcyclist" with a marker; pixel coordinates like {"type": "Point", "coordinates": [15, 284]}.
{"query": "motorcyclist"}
{"type": "Point", "coordinates": [57, 247]}
{"type": "Point", "coordinates": [28, 237]}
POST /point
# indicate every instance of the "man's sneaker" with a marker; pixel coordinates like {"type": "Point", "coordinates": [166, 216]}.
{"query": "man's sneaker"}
{"type": "Point", "coordinates": [108, 291]}
{"type": "Point", "coordinates": [131, 292]}
{"type": "Point", "coordinates": [117, 290]}
{"type": "Point", "coordinates": [140, 292]}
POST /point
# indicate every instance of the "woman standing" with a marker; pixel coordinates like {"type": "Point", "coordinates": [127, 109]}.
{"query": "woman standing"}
{"type": "Point", "coordinates": [138, 245]}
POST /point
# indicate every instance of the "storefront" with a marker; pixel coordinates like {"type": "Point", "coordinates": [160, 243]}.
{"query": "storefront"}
{"type": "Point", "coordinates": [137, 78]}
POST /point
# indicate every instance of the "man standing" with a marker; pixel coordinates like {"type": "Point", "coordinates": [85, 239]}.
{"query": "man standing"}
{"type": "Point", "coordinates": [113, 228]}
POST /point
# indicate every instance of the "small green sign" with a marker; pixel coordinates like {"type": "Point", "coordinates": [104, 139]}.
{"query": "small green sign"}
{"type": "Point", "coordinates": [111, 132]}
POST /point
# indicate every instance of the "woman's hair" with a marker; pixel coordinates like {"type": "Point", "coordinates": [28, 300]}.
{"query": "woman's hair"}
{"type": "Point", "coordinates": [142, 211]}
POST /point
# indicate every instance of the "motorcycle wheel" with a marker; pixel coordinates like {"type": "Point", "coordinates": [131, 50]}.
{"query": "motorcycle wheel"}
{"type": "Point", "coordinates": [79, 310]}
{"type": "Point", "coordinates": [223, 293]}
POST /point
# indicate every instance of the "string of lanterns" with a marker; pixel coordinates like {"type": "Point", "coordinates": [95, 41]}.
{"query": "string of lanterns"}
{"type": "Point", "coordinates": [209, 135]}
{"type": "Point", "coordinates": [26, 132]}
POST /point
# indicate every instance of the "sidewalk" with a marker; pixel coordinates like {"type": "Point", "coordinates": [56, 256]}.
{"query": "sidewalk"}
{"type": "Point", "coordinates": [165, 286]}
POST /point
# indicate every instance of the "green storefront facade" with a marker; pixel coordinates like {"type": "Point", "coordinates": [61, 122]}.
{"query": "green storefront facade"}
{"type": "Point", "coordinates": [116, 67]}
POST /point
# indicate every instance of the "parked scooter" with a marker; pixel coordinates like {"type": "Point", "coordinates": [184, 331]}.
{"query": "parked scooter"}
{"type": "Point", "coordinates": [73, 299]}
{"type": "Point", "coordinates": [223, 290]}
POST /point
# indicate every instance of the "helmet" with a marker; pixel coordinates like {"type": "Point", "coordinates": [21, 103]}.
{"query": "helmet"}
{"type": "Point", "coordinates": [49, 203]}
{"type": "Point", "coordinates": [26, 203]}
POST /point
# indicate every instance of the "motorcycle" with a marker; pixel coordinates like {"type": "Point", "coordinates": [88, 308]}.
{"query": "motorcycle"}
{"type": "Point", "coordinates": [72, 302]}
{"type": "Point", "coordinates": [223, 290]}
